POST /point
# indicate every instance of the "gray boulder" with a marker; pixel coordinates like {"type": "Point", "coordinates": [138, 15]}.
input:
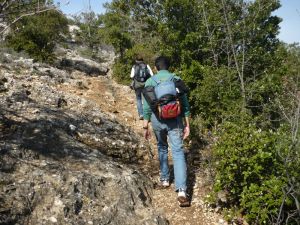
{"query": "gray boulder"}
{"type": "Point", "coordinates": [71, 164]}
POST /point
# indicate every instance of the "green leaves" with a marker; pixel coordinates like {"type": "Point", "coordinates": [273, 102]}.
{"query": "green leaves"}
{"type": "Point", "coordinates": [261, 202]}
{"type": "Point", "coordinates": [116, 32]}
{"type": "Point", "coordinates": [37, 35]}
{"type": "Point", "coordinates": [214, 92]}
{"type": "Point", "coordinates": [242, 80]}
{"type": "Point", "coordinates": [90, 32]}
{"type": "Point", "coordinates": [251, 169]}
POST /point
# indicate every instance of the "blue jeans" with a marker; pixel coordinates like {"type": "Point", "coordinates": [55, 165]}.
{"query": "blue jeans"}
{"type": "Point", "coordinates": [172, 129]}
{"type": "Point", "coordinates": [138, 94]}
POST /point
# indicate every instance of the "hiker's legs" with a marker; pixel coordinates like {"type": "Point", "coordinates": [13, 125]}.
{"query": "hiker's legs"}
{"type": "Point", "coordinates": [160, 131]}
{"type": "Point", "coordinates": [138, 94]}
{"type": "Point", "coordinates": [176, 142]}
{"type": "Point", "coordinates": [162, 146]}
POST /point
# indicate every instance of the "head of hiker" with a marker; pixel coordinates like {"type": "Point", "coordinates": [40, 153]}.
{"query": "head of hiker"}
{"type": "Point", "coordinates": [139, 58]}
{"type": "Point", "coordinates": [162, 63]}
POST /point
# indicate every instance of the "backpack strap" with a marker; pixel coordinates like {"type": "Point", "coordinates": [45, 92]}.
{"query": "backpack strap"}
{"type": "Point", "coordinates": [157, 81]}
{"type": "Point", "coordinates": [171, 78]}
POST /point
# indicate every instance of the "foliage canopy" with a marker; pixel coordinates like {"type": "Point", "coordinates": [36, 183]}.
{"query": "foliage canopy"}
{"type": "Point", "coordinates": [244, 87]}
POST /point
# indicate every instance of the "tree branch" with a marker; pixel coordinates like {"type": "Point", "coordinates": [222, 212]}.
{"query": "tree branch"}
{"type": "Point", "coordinates": [24, 15]}
{"type": "Point", "coordinates": [237, 65]}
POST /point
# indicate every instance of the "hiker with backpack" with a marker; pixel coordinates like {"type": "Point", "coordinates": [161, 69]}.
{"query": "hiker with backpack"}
{"type": "Point", "coordinates": [140, 72]}
{"type": "Point", "coordinates": [167, 107]}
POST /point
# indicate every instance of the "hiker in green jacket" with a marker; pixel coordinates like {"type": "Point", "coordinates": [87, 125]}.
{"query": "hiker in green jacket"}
{"type": "Point", "coordinates": [175, 130]}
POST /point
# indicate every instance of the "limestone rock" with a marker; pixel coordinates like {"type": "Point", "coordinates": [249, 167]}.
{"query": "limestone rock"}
{"type": "Point", "coordinates": [84, 65]}
{"type": "Point", "coordinates": [66, 165]}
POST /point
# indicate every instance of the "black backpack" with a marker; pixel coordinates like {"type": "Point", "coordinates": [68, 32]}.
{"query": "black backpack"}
{"type": "Point", "coordinates": [141, 72]}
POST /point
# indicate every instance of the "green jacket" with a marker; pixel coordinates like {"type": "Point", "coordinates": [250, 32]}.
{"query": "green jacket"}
{"type": "Point", "coordinates": [164, 75]}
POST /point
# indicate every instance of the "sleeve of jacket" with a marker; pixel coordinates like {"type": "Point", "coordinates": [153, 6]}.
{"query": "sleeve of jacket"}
{"type": "Point", "coordinates": [185, 105]}
{"type": "Point", "coordinates": [132, 73]}
{"type": "Point", "coordinates": [146, 108]}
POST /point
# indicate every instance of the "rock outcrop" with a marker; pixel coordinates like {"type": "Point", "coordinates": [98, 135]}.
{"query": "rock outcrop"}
{"type": "Point", "coordinates": [63, 160]}
{"type": "Point", "coordinates": [69, 59]}
{"type": "Point", "coordinates": [83, 65]}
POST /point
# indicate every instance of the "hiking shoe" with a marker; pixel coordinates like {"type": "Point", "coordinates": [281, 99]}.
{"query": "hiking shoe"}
{"type": "Point", "coordinates": [141, 118]}
{"type": "Point", "coordinates": [163, 184]}
{"type": "Point", "coordinates": [183, 199]}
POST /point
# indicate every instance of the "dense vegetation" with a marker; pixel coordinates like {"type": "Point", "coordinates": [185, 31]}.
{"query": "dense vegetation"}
{"type": "Point", "coordinates": [244, 86]}
{"type": "Point", "coordinates": [35, 27]}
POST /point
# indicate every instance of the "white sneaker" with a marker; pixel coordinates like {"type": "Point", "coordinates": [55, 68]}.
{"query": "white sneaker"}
{"type": "Point", "coordinates": [181, 193]}
{"type": "Point", "coordinates": [183, 199]}
{"type": "Point", "coordinates": [165, 183]}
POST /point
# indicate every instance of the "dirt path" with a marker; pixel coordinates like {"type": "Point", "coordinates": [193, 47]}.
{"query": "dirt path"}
{"type": "Point", "coordinates": [119, 102]}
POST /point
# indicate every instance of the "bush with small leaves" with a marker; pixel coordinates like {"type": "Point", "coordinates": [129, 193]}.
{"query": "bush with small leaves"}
{"type": "Point", "coordinates": [251, 171]}
{"type": "Point", "coordinates": [38, 35]}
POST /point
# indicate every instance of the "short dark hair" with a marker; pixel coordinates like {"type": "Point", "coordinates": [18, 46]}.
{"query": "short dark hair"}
{"type": "Point", "coordinates": [139, 58]}
{"type": "Point", "coordinates": [162, 63]}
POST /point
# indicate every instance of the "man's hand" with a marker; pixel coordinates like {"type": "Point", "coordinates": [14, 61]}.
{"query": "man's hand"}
{"type": "Point", "coordinates": [147, 133]}
{"type": "Point", "coordinates": [132, 85]}
{"type": "Point", "coordinates": [186, 132]}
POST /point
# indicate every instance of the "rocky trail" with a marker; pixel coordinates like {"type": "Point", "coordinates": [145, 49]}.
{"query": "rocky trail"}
{"type": "Point", "coordinates": [119, 101]}
{"type": "Point", "coordinates": [72, 152]}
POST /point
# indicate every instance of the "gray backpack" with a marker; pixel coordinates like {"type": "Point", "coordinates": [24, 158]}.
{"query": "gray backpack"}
{"type": "Point", "coordinates": [141, 72]}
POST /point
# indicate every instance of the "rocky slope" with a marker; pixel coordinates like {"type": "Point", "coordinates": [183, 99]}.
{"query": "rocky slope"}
{"type": "Point", "coordinates": [63, 160]}
{"type": "Point", "coordinates": [72, 152]}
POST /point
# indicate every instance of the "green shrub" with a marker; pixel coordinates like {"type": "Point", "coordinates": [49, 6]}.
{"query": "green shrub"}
{"type": "Point", "coordinates": [121, 72]}
{"type": "Point", "coordinates": [214, 94]}
{"type": "Point", "coordinates": [141, 49]}
{"type": "Point", "coordinates": [122, 67]}
{"type": "Point", "coordinates": [37, 35]}
{"type": "Point", "coordinates": [250, 170]}
{"type": "Point", "coordinates": [262, 201]}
